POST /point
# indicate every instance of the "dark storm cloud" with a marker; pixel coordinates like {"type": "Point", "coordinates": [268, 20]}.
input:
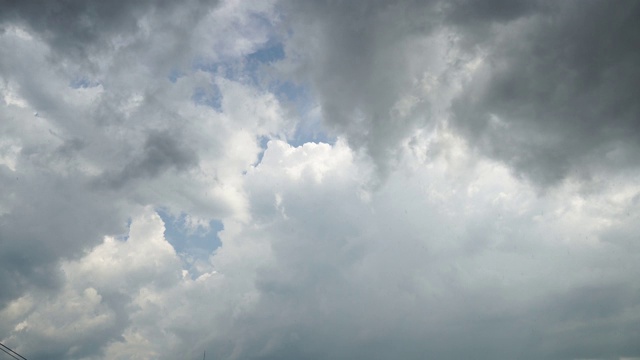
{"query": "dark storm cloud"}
{"type": "Point", "coordinates": [81, 28]}
{"type": "Point", "coordinates": [51, 217]}
{"type": "Point", "coordinates": [72, 25]}
{"type": "Point", "coordinates": [162, 151]}
{"type": "Point", "coordinates": [557, 92]}
{"type": "Point", "coordinates": [554, 96]}
{"type": "Point", "coordinates": [355, 56]}
{"type": "Point", "coordinates": [478, 16]}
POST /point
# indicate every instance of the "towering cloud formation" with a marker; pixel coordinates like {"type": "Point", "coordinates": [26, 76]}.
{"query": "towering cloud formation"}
{"type": "Point", "coordinates": [163, 192]}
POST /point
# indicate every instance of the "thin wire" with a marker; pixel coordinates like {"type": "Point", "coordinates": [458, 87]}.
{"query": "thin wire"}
{"type": "Point", "coordinates": [6, 347]}
{"type": "Point", "coordinates": [10, 354]}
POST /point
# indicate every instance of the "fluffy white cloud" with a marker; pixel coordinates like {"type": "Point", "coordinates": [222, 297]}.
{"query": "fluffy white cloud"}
{"type": "Point", "coordinates": [439, 254]}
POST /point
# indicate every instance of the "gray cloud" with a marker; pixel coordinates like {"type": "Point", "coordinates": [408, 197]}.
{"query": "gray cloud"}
{"type": "Point", "coordinates": [51, 217]}
{"type": "Point", "coordinates": [477, 17]}
{"type": "Point", "coordinates": [552, 96]}
{"type": "Point", "coordinates": [162, 151]}
{"type": "Point", "coordinates": [84, 29]}
{"type": "Point", "coordinates": [358, 59]}
{"type": "Point", "coordinates": [555, 95]}
{"type": "Point", "coordinates": [96, 75]}
{"type": "Point", "coordinates": [451, 256]}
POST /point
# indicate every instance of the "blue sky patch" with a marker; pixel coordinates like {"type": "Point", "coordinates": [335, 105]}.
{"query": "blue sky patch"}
{"type": "Point", "coordinates": [175, 74]}
{"type": "Point", "coordinates": [268, 55]}
{"type": "Point", "coordinates": [83, 83]}
{"type": "Point", "coordinates": [211, 97]}
{"type": "Point", "coordinates": [191, 246]}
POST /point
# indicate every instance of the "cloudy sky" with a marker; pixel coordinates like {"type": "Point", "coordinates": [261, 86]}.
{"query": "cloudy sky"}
{"type": "Point", "coordinates": [286, 179]}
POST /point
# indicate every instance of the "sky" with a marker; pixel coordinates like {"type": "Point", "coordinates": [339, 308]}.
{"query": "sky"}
{"type": "Point", "coordinates": [323, 179]}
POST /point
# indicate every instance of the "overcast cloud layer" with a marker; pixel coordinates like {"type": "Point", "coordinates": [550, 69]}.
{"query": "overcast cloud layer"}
{"type": "Point", "coordinates": [320, 179]}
